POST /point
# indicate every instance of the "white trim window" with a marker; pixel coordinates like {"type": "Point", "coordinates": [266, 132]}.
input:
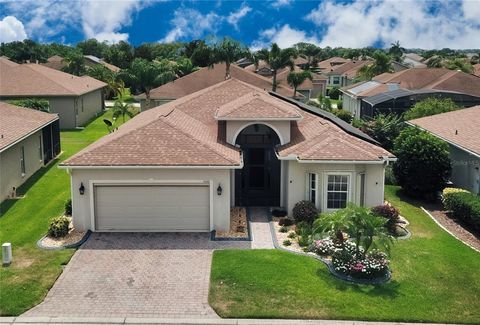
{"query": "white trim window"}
{"type": "Point", "coordinates": [338, 191]}
{"type": "Point", "coordinates": [312, 188]}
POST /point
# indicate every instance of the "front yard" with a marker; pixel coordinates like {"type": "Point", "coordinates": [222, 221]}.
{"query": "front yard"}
{"type": "Point", "coordinates": [24, 221]}
{"type": "Point", "coordinates": [435, 279]}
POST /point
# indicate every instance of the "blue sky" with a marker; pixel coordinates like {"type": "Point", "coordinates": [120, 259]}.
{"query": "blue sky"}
{"type": "Point", "coordinates": [353, 23]}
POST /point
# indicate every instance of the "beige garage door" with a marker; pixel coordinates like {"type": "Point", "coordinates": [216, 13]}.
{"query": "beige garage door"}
{"type": "Point", "coordinates": [152, 208]}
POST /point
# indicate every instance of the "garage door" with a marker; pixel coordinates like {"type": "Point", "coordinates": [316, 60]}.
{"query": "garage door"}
{"type": "Point", "coordinates": [152, 208]}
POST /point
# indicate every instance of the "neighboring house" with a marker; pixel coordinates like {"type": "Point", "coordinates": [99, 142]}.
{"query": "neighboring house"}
{"type": "Point", "coordinates": [75, 99]}
{"type": "Point", "coordinates": [203, 78]}
{"type": "Point", "coordinates": [327, 65]}
{"type": "Point", "coordinates": [413, 60]}
{"type": "Point", "coordinates": [29, 139]}
{"type": "Point", "coordinates": [398, 92]}
{"type": "Point", "coordinates": [344, 74]}
{"type": "Point", "coordinates": [476, 69]}
{"type": "Point", "coordinates": [461, 130]}
{"type": "Point", "coordinates": [58, 63]}
{"type": "Point", "coordinates": [182, 166]}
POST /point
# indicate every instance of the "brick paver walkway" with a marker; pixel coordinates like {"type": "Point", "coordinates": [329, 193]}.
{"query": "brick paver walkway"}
{"type": "Point", "coordinates": [260, 228]}
{"type": "Point", "coordinates": [136, 275]}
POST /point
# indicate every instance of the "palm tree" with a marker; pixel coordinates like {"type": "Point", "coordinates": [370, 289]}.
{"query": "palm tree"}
{"type": "Point", "coordinates": [310, 52]}
{"type": "Point", "coordinates": [104, 74]}
{"type": "Point", "coordinates": [75, 64]}
{"type": "Point", "coordinates": [334, 224]}
{"type": "Point", "coordinates": [295, 79]}
{"type": "Point", "coordinates": [146, 75]}
{"type": "Point", "coordinates": [277, 59]}
{"type": "Point", "coordinates": [228, 51]}
{"type": "Point", "coordinates": [396, 51]}
{"type": "Point", "coordinates": [184, 66]}
{"type": "Point", "coordinates": [380, 65]}
{"type": "Point", "coordinates": [122, 108]}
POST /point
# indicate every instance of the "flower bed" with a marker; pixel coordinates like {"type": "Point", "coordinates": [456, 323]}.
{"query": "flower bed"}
{"type": "Point", "coordinates": [238, 225]}
{"type": "Point", "coordinates": [72, 238]}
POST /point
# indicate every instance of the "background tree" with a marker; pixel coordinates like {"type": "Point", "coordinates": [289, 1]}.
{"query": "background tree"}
{"type": "Point", "coordinates": [295, 79]}
{"type": "Point", "coordinates": [93, 47]}
{"type": "Point", "coordinates": [145, 51]}
{"type": "Point", "coordinates": [381, 64]}
{"type": "Point", "coordinates": [38, 104]}
{"type": "Point", "coordinates": [184, 66]}
{"type": "Point", "coordinates": [423, 165]}
{"type": "Point", "coordinates": [228, 51]}
{"type": "Point", "coordinates": [277, 59]}
{"type": "Point", "coordinates": [75, 64]}
{"type": "Point", "coordinates": [435, 62]}
{"type": "Point", "coordinates": [384, 128]}
{"type": "Point", "coordinates": [122, 107]}
{"type": "Point", "coordinates": [459, 64]}
{"type": "Point", "coordinates": [120, 54]}
{"type": "Point", "coordinates": [145, 75]}
{"type": "Point", "coordinates": [396, 51]}
{"type": "Point", "coordinates": [100, 72]}
{"type": "Point", "coordinates": [430, 106]}
{"type": "Point", "coordinates": [310, 52]}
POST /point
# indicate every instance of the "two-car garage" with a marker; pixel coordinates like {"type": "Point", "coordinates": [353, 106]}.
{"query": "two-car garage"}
{"type": "Point", "coordinates": [152, 207]}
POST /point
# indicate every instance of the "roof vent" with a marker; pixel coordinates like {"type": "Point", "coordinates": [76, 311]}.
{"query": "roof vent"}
{"type": "Point", "coordinates": [456, 132]}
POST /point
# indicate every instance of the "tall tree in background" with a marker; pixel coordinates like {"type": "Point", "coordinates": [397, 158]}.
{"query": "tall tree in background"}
{"type": "Point", "coordinates": [184, 66]}
{"type": "Point", "coordinates": [435, 62]}
{"type": "Point", "coordinates": [120, 54]}
{"type": "Point", "coordinates": [396, 51]}
{"type": "Point", "coordinates": [93, 47]}
{"type": "Point", "coordinates": [277, 59]}
{"type": "Point", "coordinates": [104, 74]}
{"type": "Point", "coordinates": [228, 51]}
{"type": "Point", "coordinates": [145, 75]}
{"type": "Point", "coordinates": [295, 79]}
{"type": "Point", "coordinates": [459, 64]}
{"type": "Point", "coordinates": [380, 65]}
{"type": "Point", "coordinates": [430, 106]}
{"type": "Point", "coordinates": [75, 64]}
{"type": "Point", "coordinates": [310, 52]}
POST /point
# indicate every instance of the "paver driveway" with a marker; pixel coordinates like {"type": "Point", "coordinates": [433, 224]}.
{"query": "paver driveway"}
{"type": "Point", "coordinates": [136, 275]}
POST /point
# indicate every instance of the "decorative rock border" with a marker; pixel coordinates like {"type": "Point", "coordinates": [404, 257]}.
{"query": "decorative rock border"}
{"type": "Point", "coordinates": [327, 262]}
{"type": "Point", "coordinates": [407, 236]}
{"type": "Point", "coordinates": [248, 238]}
{"type": "Point", "coordinates": [74, 245]}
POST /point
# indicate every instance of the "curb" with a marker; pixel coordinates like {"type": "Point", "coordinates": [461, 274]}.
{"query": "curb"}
{"type": "Point", "coordinates": [74, 245]}
{"type": "Point", "coordinates": [329, 265]}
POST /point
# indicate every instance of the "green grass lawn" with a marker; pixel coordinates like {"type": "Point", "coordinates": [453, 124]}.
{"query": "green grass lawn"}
{"type": "Point", "coordinates": [22, 222]}
{"type": "Point", "coordinates": [435, 279]}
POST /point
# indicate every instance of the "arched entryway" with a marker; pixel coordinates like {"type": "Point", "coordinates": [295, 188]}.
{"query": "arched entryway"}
{"type": "Point", "coordinates": [258, 182]}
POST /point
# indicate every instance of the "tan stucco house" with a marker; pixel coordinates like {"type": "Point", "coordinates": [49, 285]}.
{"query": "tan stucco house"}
{"type": "Point", "coordinates": [461, 130]}
{"type": "Point", "coordinates": [29, 140]}
{"type": "Point", "coordinates": [181, 166]}
{"type": "Point", "coordinates": [76, 100]}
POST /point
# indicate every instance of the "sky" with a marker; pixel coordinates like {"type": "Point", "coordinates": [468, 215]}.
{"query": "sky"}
{"type": "Point", "coordinates": [348, 23]}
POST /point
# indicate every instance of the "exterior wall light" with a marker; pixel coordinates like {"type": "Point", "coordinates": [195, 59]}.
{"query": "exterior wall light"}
{"type": "Point", "coordinates": [219, 189]}
{"type": "Point", "coordinates": [81, 189]}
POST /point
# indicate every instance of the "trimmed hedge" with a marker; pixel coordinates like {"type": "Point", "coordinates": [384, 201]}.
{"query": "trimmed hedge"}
{"type": "Point", "coordinates": [463, 205]}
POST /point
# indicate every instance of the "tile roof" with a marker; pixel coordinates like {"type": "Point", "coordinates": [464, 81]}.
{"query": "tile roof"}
{"type": "Point", "coordinates": [327, 64]}
{"type": "Point", "coordinates": [418, 78]}
{"type": "Point", "coordinates": [282, 76]}
{"type": "Point", "coordinates": [460, 127]}
{"type": "Point", "coordinates": [4, 60]}
{"type": "Point", "coordinates": [55, 62]}
{"type": "Point", "coordinates": [18, 122]}
{"type": "Point", "coordinates": [185, 132]}
{"type": "Point", "coordinates": [476, 69]}
{"type": "Point", "coordinates": [206, 77]}
{"type": "Point", "coordinates": [38, 80]}
{"type": "Point", "coordinates": [257, 105]}
{"type": "Point", "coordinates": [349, 69]}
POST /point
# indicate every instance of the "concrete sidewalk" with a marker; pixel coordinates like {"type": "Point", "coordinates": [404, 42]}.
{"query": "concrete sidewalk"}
{"type": "Point", "coordinates": [166, 321]}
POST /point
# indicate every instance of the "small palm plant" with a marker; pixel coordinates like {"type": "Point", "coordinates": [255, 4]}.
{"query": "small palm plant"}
{"type": "Point", "coordinates": [334, 224]}
{"type": "Point", "coordinates": [295, 79]}
{"type": "Point", "coordinates": [123, 105]}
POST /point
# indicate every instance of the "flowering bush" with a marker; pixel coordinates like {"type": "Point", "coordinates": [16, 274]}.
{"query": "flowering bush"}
{"type": "Point", "coordinates": [324, 247]}
{"type": "Point", "coordinates": [348, 261]}
{"type": "Point", "coordinates": [389, 212]}
{"type": "Point", "coordinates": [304, 211]}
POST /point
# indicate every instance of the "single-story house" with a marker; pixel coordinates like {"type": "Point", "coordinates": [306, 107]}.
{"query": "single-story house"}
{"type": "Point", "coordinates": [76, 100]}
{"type": "Point", "coordinates": [203, 78]}
{"type": "Point", "coordinates": [181, 166]}
{"type": "Point", "coordinates": [397, 92]}
{"type": "Point", "coordinates": [476, 69]}
{"type": "Point", "coordinates": [58, 63]}
{"type": "Point", "coordinates": [327, 65]}
{"type": "Point", "coordinates": [461, 130]}
{"type": "Point", "coordinates": [344, 74]}
{"type": "Point", "coordinates": [29, 139]}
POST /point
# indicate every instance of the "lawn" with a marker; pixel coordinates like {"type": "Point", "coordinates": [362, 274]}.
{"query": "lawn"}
{"type": "Point", "coordinates": [435, 279]}
{"type": "Point", "coordinates": [22, 222]}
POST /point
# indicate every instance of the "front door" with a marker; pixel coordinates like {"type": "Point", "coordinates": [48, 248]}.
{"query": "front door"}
{"type": "Point", "coordinates": [258, 183]}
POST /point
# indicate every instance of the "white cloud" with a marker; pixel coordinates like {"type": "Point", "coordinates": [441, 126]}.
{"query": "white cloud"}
{"type": "Point", "coordinates": [281, 3]}
{"type": "Point", "coordinates": [235, 16]}
{"type": "Point", "coordinates": [191, 23]}
{"type": "Point", "coordinates": [413, 23]}
{"type": "Point", "coordinates": [471, 10]}
{"type": "Point", "coordinates": [101, 19]}
{"type": "Point", "coordinates": [284, 36]}
{"type": "Point", "coordinates": [11, 29]}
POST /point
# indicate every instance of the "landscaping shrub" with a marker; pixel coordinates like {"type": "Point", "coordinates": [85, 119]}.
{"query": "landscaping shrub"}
{"type": "Point", "coordinates": [292, 235]}
{"type": "Point", "coordinates": [279, 213]}
{"type": "Point", "coordinates": [389, 212]}
{"type": "Point", "coordinates": [283, 229]}
{"type": "Point", "coordinates": [304, 211]}
{"type": "Point", "coordinates": [340, 105]}
{"type": "Point", "coordinates": [287, 242]}
{"type": "Point", "coordinates": [285, 222]}
{"type": "Point", "coordinates": [423, 165]}
{"type": "Point", "coordinates": [59, 227]}
{"type": "Point", "coordinates": [323, 247]}
{"type": "Point", "coordinates": [304, 241]}
{"type": "Point", "coordinates": [464, 206]}
{"type": "Point", "coordinates": [384, 128]}
{"type": "Point", "coordinates": [343, 115]}
{"type": "Point", "coordinates": [304, 233]}
{"type": "Point", "coordinates": [448, 196]}
{"type": "Point", "coordinates": [431, 106]}
{"type": "Point", "coordinates": [334, 93]}
{"type": "Point", "coordinates": [68, 207]}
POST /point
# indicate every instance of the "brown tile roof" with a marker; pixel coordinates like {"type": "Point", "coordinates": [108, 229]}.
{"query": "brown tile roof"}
{"type": "Point", "coordinates": [185, 132]}
{"type": "Point", "coordinates": [257, 105]}
{"type": "Point", "coordinates": [476, 69]}
{"type": "Point", "coordinates": [37, 80]}
{"type": "Point", "coordinates": [55, 62]}
{"type": "Point", "coordinates": [282, 76]}
{"type": "Point", "coordinates": [349, 69]}
{"type": "Point", "coordinates": [207, 77]}
{"type": "Point", "coordinates": [419, 78]}
{"type": "Point", "coordinates": [327, 64]}
{"type": "Point", "coordinates": [461, 127]}
{"type": "Point", "coordinates": [18, 122]}
{"type": "Point", "coordinates": [4, 60]}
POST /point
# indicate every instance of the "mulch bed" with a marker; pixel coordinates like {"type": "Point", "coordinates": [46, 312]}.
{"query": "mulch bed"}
{"type": "Point", "coordinates": [238, 224]}
{"type": "Point", "coordinates": [456, 227]}
{"type": "Point", "coordinates": [74, 236]}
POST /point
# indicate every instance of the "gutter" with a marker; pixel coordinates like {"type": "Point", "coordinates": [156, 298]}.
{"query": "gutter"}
{"type": "Point", "coordinates": [447, 141]}
{"type": "Point", "coordinates": [384, 160]}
